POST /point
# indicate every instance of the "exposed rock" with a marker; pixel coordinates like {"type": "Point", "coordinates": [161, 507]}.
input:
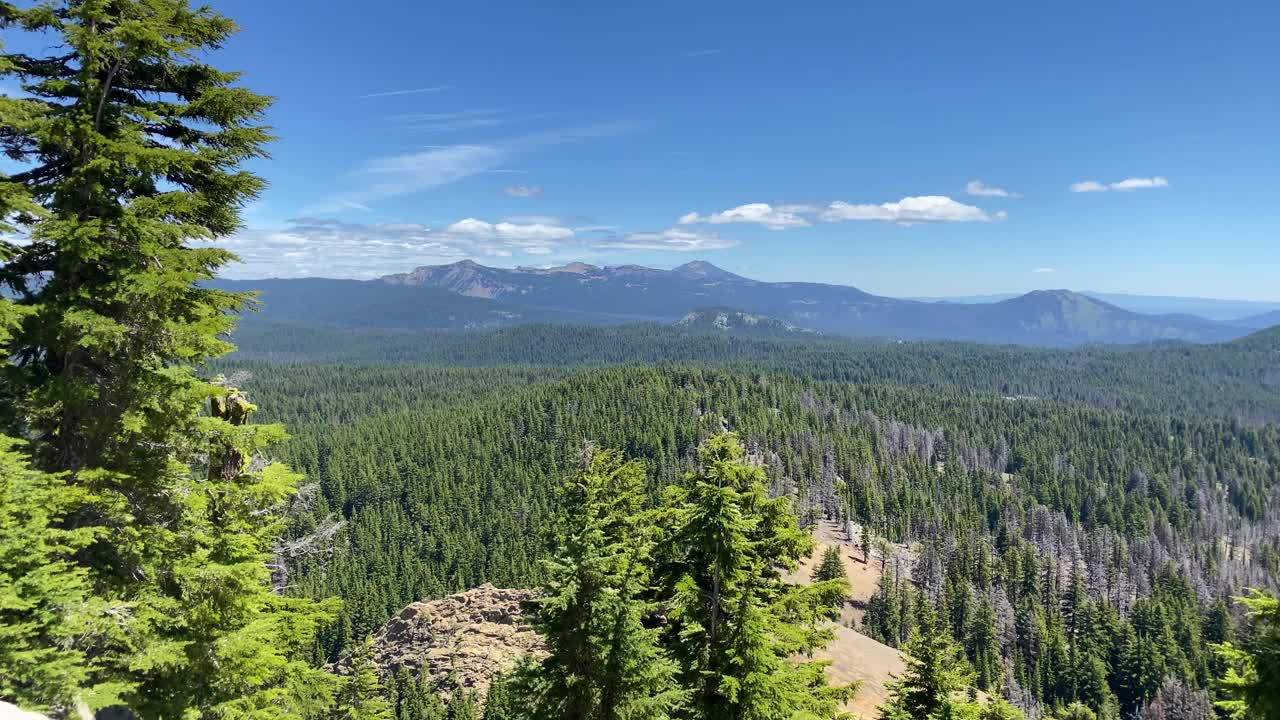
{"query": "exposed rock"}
{"type": "Point", "coordinates": [459, 641]}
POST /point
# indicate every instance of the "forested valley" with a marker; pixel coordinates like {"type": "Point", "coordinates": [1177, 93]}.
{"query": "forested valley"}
{"type": "Point", "coordinates": [1076, 554]}
{"type": "Point", "coordinates": [192, 531]}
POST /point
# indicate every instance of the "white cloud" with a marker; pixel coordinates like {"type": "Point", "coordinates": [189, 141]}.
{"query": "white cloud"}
{"type": "Point", "coordinates": [911, 210]}
{"type": "Point", "coordinates": [977, 188]}
{"type": "Point", "coordinates": [1088, 186]}
{"type": "Point", "coordinates": [756, 213]}
{"type": "Point", "coordinates": [1044, 270]}
{"type": "Point", "coordinates": [674, 239]}
{"type": "Point", "coordinates": [800, 208]}
{"type": "Point", "coordinates": [471, 227]}
{"type": "Point", "coordinates": [523, 191]}
{"type": "Point", "coordinates": [329, 247]}
{"type": "Point", "coordinates": [1140, 183]}
{"type": "Point", "coordinates": [533, 233]}
{"type": "Point", "coordinates": [1133, 183]}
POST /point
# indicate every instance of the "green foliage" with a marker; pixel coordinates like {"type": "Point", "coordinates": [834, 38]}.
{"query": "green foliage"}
{"type": "Point", "coordinates": [448, 476]}
{"type": "Point", "coordinates": [734, 624]}
{"type": "Point", "coordinates": [1231, 380]}
{"type": "Point", "coordinates": [162, 528]}
{"type": "Point", "coordinates": [601, 661]}
{"type": "Point", "coordinates": [1075, 711]}
{"type": "Point", "coordinates": [411, 699]}
{"type": "Point", "coordinates": [46, 613]}
{"type": "Point", "coordinates": [1252, 681]}
{"type": "Point", "coordinates": [503, 701]}
{"type": "Point", "coordinates": [831, 567]}
{"type": "Point", "coordinates": [462, 706]}
{"type": "Point", "coordinates": [360, 695]}
{"type": "Point", "coordinates": [999, 709]}
{"type": "Point", "coordinates": [936, 681]}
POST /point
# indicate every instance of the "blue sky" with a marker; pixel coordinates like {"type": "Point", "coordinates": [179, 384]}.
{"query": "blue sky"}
{"type": "Point", "coordinates": [835, 142]}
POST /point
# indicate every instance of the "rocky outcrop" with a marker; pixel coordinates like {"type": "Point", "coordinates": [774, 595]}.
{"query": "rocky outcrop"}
{"type": "Point", "coordinates": [461, 640]}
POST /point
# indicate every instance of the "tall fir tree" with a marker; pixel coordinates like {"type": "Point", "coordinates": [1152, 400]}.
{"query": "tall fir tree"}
{"type": "Point", "coordinates": [360, 694]}
{"type": "Point", "coordinates": [45, 606]}
{"type": "Point", "coordinates": [601, 663]}
{"type": "Point", "coordinates": [735, 625]}
{"type": "Point", "coordinates": [130, 148]}
{"type": "Point", "coordinates": [937, 680]}
{"type": "Point", "coordinates": [1252, 681]}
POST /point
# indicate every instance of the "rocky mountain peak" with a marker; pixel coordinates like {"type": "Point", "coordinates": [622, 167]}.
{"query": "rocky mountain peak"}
{"type": "Point", "coordinates": [462, 640]}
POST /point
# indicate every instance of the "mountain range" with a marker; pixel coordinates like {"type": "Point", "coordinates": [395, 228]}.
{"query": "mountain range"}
{"type": "Point", "coordinates": [466, 295]}
{"type": "Point", "coordinates": [1239, 312]}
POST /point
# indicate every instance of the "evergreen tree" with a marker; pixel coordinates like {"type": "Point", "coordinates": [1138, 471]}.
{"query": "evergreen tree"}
{"type": "Point", "coordinates": [734, 624]}
{"type": "Point", "coordinates": [936, 681]}
{"type": "Point", "coordinates": [864, 543]}
{"type": "Point", "coordinates": [831, 572]}
{"type": "Point", "coordinates": [999, 709]}
{"type": "Point", "coordinates": [43, 595]}
{"type": "Point", "coordinates": [360, 694]}
{"type": "Point", "coordinates": [132, 148]}
{"type": "Point", "coordinates": [1076, 711]}
{"type": "Point", "coordinates": [831, 567]}
{"type": "Point", "coordinates": [502, 700]}
{"type": "Point", "coordinates": [601, 661]}
{"type": "Point", "coordinates": [412, 700]}
{"type": "Point", "coordinates": [1252, 681]}
{"type": "Point", "coordinates": [985, 646]}
{"type": "Point", "coordinates": [462, 706]}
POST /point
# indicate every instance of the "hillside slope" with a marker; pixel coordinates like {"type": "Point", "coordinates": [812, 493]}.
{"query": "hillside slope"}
{"type": "Point", "coordinates": [726, 319]}
{"type": "Point", "coordinates": [1264, 320]}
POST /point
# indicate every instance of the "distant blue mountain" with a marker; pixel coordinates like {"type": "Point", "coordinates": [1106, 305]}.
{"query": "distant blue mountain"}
{"type": "Point", "coordinates": [1259, 322]}
{"type": "Point", "coordinates": [1210, 308]}
{"type": "Point", "coordinates": [466, 295]}
{"type": "Point", "coordinates": [1057, 317]}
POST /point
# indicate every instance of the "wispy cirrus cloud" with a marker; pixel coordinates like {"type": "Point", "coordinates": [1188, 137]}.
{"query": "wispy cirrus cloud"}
{"type": "Point", "coordinates": [410, 91]}
{"type": "Point", "coordinates": [1133, 183]}
{"type": "Point", "coordinates": [1045, 270]}
{"type": "Point", "coordinates": [537, 220]}
{"type": "Point", "coordinates": [436, 165]}
{"type": "Point", "coordinates": [673, 239]}
{"type": "Point", "coordinates": [522, 191]}
{"type": "Point", "coordinates": [977, 188]}
{"type": "Point", "coordinates": [453, 121]}
{"type": "Point", "coordinates": [702, 53]}
{"type": "Point", "coordinates": [754, 213]}
{"type": "Point", "coordinates": [414, 172]}
{"type": "Point", "coordinates": [911, 211]}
